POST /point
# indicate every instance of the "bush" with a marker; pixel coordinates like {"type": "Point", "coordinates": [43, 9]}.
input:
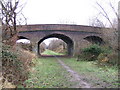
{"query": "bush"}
{"type": "Point", "coordinates": [103, 55]}
{"type": "Point", "coordinates": [93, 49]}
{"type": "Point", "coordinates": [91, 53]}
{"type": "Point", "coordinates": [108, 59]}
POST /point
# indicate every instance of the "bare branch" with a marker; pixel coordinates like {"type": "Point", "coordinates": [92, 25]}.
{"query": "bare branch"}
{"type": "Point", "coordinates": [113, 9]}
{"type": "Point", "coordinates": [9, 16]}
{"type": "Point", "coordinates": [105, 14]}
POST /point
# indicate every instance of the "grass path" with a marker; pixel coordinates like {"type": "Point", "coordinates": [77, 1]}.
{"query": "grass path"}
{"type": "Point", "coordinates": [49, 52]}
{"type": "Point", "coordinates": [69, 73]}
{"type": "Point", "coordinates": [97, 77]}
{"type": "Point", "coordinates": [75, 76]}
{"type": "Point", "coordinates": [48, 73]}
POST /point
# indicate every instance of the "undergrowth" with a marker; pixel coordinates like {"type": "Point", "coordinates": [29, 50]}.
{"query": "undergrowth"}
{"type": "Point", "coordinates": [14, 65]}
{"type": "Point", "coordinates": [101, 54]}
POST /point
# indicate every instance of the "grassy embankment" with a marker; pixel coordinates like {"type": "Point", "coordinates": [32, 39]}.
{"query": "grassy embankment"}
{"type": "Point", "coordinates": [47, 73]}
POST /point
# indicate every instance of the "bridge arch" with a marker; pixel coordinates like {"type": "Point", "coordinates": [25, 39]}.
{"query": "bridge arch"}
{"type": "Point", "coordinates": [94, 40]}
{"type": "Point", "coordinates": [66, 39]}
{"type": "Point", "coordinates": [22, 37]}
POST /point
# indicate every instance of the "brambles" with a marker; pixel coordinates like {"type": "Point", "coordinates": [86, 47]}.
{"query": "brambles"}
{"type": "Point", "coordinates": [15, 64]}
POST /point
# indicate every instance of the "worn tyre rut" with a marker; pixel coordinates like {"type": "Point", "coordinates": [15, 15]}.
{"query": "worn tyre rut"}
{"type": "Point", "coordinates": [75, 76]}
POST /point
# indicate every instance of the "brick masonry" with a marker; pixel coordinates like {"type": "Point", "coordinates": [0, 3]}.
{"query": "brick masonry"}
{"type": "Point", "coordinates": [73, 35]}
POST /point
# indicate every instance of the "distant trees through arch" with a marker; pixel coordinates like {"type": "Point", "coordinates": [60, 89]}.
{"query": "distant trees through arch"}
{"type": "Point", "coordinates": [59, 43]}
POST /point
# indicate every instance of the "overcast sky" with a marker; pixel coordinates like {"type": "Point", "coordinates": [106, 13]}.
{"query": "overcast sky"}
{"type": "Point", "coordinates": [59, 11]}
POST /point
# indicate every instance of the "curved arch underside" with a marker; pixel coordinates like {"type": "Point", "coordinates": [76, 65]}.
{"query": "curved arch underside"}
{"type": "Point", "coordinates": [94, 39]}
{"type": "Point", "coordinates": [22, 37]}
{"type": "Point", "coordinates": [66, 39]}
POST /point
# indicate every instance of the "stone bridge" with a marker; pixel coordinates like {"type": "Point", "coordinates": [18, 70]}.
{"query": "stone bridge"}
{"type": "Point", "coordinates": [72, 35]}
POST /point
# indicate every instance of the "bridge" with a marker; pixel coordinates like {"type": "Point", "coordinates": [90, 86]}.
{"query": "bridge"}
{"type": "Point", "coordinates": [72, 35]}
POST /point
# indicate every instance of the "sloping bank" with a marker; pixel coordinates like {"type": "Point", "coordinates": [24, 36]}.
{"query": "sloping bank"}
{"type": "Point", "coordinates": [15, 65]}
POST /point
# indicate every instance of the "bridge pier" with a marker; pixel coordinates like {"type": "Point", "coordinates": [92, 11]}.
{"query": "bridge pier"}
{"type": "Point", "coordinates": [35, 48]}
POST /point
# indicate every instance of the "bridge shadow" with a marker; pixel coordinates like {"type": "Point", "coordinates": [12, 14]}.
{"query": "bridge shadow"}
{"type": "Point", "coordinates": [60, 56]}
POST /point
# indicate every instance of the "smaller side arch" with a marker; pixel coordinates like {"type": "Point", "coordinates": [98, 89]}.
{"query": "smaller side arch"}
{"type": "Point", "coordinates": [95, 40]}
{"type": "Point", "coordinates": [22, 37]}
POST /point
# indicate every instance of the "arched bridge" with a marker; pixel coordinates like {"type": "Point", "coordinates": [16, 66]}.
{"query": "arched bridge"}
{"type": "Point", "coordinates": [73, 35]}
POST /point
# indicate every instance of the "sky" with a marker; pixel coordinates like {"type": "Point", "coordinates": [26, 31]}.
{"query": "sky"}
{"type": "Point", "coordinates": [59, 11]}
{"type": "Point", "coordinates": [78, 12]}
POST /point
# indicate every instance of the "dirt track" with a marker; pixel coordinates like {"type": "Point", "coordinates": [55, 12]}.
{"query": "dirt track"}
{"type": "Point", "coordinates": [75, 77]}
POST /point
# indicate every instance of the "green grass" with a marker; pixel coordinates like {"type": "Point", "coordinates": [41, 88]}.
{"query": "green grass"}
{"type": "Point", "coordinates": [49, 52]}
{"type": "Point", "coordinates": [47, 74]}
{"type": "Point", "coordinates": [94, 74]}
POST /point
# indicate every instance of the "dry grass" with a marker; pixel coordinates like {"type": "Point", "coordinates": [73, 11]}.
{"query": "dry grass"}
{"type": "Point", "coordinates": [110, 59]}
{"type": "Point", "coordinates": [25, 56]}
{"type": "Point", "coordinates": [15, 66]}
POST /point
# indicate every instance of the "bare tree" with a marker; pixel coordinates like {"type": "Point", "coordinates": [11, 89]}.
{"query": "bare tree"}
{"type": "Point", "coordinates": [42, 47]}
{"type": "Point", "coordinates": [107, 17]}
{"type": "Point", "coordinates": [67, 21]}
{"type": "Point", "coordinates": [96, 22]}
{"type": "Point", "coordinates": [104, 12]}
{"type": "Point", "coordinates": [56, 44]}
{"type": "Point", "coordinates": [9, 11]}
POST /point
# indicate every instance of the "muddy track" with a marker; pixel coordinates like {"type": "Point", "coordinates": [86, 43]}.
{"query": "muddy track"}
{"type": "Point", "coordinates": [75, 76]}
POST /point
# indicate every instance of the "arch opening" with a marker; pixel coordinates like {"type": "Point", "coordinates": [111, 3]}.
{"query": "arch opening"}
{"type": "Point", "coordinates": [22, 37]}
{"type": "Point", "coordinates": [24, 43]}
{"type": "Point", "coordinates": [65, 39]}
{"type": "Point", "coordinates": [94, 40]}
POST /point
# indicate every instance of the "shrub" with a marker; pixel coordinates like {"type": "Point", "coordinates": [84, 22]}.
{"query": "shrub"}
{"type": "Point", "coordinates": [93, 49]}
{"type": "Point", "coordinates": [108, 59]}
{"type": "Point", "coordinates": [103, 55]}
{"type": "Point", "coordinates": [91, 53]}
{"type": "Point", "coordinates": [102, 59]}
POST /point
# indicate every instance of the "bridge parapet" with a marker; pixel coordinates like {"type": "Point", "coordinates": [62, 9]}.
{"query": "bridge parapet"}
{"type": "Point", "coordinates": [59, 27]}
